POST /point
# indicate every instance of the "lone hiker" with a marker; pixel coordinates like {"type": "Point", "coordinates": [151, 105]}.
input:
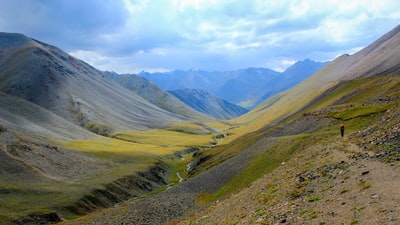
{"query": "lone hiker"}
{"type": "Point", "coordinates": [342, 129]}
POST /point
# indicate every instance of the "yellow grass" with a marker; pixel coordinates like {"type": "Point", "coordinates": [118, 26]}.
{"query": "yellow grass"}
{"type": "Point", "coordinates": [164, 138]}
{"type": "Point", "coordinates": [140, 143]}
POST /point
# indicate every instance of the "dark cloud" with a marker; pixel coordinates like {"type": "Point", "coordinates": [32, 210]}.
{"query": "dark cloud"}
{"type": "Point", "coordinates": [70, 24]}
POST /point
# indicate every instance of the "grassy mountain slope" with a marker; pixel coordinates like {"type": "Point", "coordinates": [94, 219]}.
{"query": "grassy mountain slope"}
{"type": "Point", "coordinates": [308, 174]}
{"type": "Point", "coordinates": [286, 104]}
{"type": "Point", "coordinates": [304, 153]}
{"type": "Point", "coordinates": [377, 58]}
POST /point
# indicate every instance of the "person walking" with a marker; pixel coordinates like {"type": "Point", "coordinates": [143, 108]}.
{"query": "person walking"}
{"type": "Point", "coordinates": [342, 129]}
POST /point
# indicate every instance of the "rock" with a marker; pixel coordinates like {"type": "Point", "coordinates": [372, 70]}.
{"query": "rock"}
{"type": "Point", "coordinates": [375, 196]}
{"type": "Point", "coordinates": [2, 128]}
{"type": "Point", "coordinates": [301, 179]}
{"type": "Point", "coordinates": [365, 173]}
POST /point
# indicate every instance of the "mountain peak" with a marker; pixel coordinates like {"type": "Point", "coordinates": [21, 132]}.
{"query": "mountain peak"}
{"type": "Point", "coordinates": [12, 40]}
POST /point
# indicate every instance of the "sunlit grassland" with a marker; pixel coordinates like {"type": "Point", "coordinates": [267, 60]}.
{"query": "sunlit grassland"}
{"type": "Point", "coordinates": [133, 151]}
{"type": "Point", "coordinates": [163, 139]}
{"type": "Point", "coordinates": [122, 154]}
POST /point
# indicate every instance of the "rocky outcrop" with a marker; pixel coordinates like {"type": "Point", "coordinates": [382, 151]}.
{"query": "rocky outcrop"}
{"type": "Point", "coordinates": [121, 190]}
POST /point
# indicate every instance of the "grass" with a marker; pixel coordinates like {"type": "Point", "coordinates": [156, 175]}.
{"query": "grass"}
{"type": "Point", "coordinates": [165, 138]}
{"type": "Point", "coordinates": [261, 164]}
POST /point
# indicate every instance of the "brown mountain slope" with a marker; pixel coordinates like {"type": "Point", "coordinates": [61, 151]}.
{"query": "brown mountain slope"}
{"type": "Point", "coordinates": [72, 89]}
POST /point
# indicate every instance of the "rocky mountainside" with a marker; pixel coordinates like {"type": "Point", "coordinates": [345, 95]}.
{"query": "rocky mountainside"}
{"type": "Point", "coordinates": [71, 89]}
{"type": "Point", "coordinates": [206, 103]}
{"type": "Point", "coordinates": [245, 87]}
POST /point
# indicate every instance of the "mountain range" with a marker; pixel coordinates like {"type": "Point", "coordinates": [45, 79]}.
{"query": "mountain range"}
{"type": "Point", "coordinates": [204, 102]}
{"type": "Point", "coordinates": [74, 139]}
{"type": "Point", "coordinates": [245, 87]}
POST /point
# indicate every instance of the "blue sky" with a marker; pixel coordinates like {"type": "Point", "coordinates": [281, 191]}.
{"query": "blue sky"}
{"type": "Point", "coordinates": [128, 36]}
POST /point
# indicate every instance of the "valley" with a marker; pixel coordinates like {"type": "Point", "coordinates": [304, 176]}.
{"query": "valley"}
{"type": "Point", "coordinates": [83, 146]}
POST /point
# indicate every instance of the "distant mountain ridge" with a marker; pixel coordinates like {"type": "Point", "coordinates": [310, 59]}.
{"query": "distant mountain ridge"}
{"type": "Point", "coordinates": [206, 103]}
{"type": "Point", "coordinates": [244, 87]}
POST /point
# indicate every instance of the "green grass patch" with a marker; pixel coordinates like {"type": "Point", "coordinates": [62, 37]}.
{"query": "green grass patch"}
{"type": "Point", "coordinates": [261, 164]}
{"type": "Point", "coordinates": [313, 198]}
{"type": "Point", "coordinates": [165, 138]}
{"type": "Point", "coordinates": [360, 111]}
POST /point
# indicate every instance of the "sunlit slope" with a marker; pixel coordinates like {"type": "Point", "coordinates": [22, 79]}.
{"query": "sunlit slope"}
{"type": "Point", "coordinates": [381, 57]}
{"type": "Point", "coordinates": [288, 102]}
{"type": "Point", "coordinates": [370, 109]}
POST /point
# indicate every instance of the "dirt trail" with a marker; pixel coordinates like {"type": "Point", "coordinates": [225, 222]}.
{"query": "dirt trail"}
{"type": "Point", "coordinates": [337, 183]}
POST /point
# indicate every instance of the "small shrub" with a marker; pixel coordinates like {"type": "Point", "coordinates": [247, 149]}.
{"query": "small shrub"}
{"type": "Point", "coordinates": [364, 185]}
{"type": "Point", "coordinates": [314, 198]}
{"type": "Point", "coordinates": [354, 222]}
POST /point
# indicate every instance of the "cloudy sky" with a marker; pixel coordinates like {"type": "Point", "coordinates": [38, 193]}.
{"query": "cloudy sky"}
{"type": "Point", "coordinates": [128, 36]}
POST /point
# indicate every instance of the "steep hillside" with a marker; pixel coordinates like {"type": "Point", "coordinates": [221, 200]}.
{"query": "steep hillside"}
{"type": "Point", "coordinates": [306, 173]}
{"type": "Point", "coordinates": [204, 102]}
{"type": "Point", "coordinates": [72, 89]}
{"type": "Point", "coordinates": [343, 68]}
{"type": "Point", "coordinates": [157, 96]}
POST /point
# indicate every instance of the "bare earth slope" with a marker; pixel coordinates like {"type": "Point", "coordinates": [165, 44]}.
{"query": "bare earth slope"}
{"type": "Point", "coordinates": [72, 89]}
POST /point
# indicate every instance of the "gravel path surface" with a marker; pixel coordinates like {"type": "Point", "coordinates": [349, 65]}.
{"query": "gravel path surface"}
{"type": "Point", "coordinates": [177, 200]}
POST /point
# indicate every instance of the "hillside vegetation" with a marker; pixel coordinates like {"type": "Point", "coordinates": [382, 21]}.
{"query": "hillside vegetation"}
{"type": "Point", "coordinates": [308, 174]}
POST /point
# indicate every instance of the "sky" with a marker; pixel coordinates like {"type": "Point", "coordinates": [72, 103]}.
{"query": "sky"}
{"type": "Point", "coordinates": [130, 36]}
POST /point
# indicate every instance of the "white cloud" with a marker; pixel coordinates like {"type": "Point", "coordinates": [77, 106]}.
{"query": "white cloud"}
{"type": "Point", "coordinates": [123, 35]}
